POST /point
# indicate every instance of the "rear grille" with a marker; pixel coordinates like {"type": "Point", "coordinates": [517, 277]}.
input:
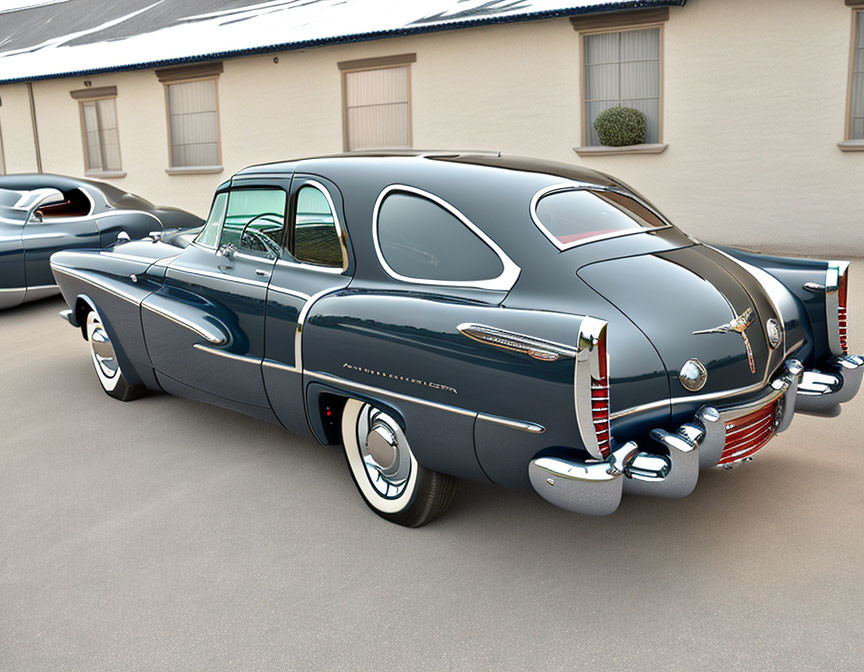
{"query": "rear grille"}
{"type": "Point", "coordinates": [747, 434]}
{"type": "Point", "coordinates": [841, 323]}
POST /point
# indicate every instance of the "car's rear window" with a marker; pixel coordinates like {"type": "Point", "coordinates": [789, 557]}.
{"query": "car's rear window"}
{"type": "Point", "coordinates": [573, 216]}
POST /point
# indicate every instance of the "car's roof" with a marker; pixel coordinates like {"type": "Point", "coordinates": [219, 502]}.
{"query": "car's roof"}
{"type": "Point", "coordinates": [118, 198]}
{"type": "Point", "coordinates": [491, 159]}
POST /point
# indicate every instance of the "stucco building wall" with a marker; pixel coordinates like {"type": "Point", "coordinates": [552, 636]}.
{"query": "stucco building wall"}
{"type": "Point", "coordinates": [754, 104]}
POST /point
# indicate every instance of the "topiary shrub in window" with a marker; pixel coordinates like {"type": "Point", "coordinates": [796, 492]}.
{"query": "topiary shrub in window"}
{"type": "Point", "coordinates": [619, 126]}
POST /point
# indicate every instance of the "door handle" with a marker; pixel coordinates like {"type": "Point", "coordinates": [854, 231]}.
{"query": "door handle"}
{"type": "Point", "coordinates": [262, 273]}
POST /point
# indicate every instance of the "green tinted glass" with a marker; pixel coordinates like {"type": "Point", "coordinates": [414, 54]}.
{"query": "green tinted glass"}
{"type": "Point", "coordinates": [210, 233]}
{"type": "Point", "coordinates": [316, 238]}
{"type": "Point", "coordinates": [254, 221]}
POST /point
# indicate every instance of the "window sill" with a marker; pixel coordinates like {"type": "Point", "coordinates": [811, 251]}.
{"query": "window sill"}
{"type": "Point", "coordinates": [603, 150]}
{"type": "Point", "coordinates": [194, 170]}
{"type": "Point", "coordinates": [851, 146]}
{"type": "Point", "coordinates": [105, 174]}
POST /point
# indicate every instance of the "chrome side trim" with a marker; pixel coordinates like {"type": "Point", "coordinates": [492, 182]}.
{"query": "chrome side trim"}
{"type": "Point", "coordinates": [129, 257]}
{"type": "Point", "coordinates": [836, 270]}
{"type": "Point", "coordinates": [227, 355]}
{"type": "Point", "coordinates": [95, 281]}
{"type": "Point", "coordinates": [577, 186]}
{"type": "Point", "coordinates": [219, 276]}
{"type": "Point", "coordinates": [289, 292]}
{"type": "Point", "coordinates": [280, 366]}
{"type": "Point", "coordinates": [524, 426]}
{"type": "Point", "coordinates": [212, 336]}
{"type": "Point", "coordinates": [504, 282]}
{"type": "Point", "coordinates": [592, 333]}
{"type": "Point", "coordinates": [12, 289]}
{"type": "Point", "coordinates": [538, 348]}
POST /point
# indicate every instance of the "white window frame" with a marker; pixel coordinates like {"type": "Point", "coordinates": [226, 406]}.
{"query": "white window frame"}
{"type": "Point", "coordinates": [179, 170]}
{"type": "Point", "coordinates": [586, 135]}
{"type": "Point", "coordinates": [88, 169]}
{"type": "Point", "coordinates": [849, 143]}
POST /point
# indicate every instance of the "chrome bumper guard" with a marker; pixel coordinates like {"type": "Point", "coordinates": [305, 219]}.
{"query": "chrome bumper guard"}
{"type": "Point", "coordinates": [595, 487]}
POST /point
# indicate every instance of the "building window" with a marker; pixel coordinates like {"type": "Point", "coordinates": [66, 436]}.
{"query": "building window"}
{"type": "Point", "coordinates": [193, 124]}
{"type": "Point", "coordinates": [99, 130]}
{"type": "Point", "coordinates": [2, 158]}
{"type": "Point", "coordinates": [622, 68]}
{"type": "Point", "coordinates": [101, 139]}
{"type": "Point", "coordinates": [856, 107]}
{"type": "Point", "coordinates": [377, 103]}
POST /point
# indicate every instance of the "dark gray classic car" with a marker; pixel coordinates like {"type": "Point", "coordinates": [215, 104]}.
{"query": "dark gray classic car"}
{"type": "Point", "coordinates": [444, 315]}
{"type": "Point", "coordinates": [43, 213]}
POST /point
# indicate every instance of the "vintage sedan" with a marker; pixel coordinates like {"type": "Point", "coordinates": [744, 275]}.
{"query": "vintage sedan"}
{"type": "Point", "coordinates": [43, 213]}
{"type": "Point", "coordinates": [444, 315]}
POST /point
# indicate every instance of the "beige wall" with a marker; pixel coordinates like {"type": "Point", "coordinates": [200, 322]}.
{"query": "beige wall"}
{"type": "Point", "coordinates": [754, 105]}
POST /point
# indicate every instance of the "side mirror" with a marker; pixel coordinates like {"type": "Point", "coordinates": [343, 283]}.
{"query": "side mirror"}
{"type": "Point", "coordinates": [155, 236]}
{"type": "Point", "coordinates": [227, 250]}
{"type": "Point", "coordinates": [36, 216]}
{"type": "Point", "coordinates": [122, 237]}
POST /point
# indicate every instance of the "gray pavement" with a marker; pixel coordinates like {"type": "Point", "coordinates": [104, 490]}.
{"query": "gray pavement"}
{"type": "Point", "coordinates": [165, 534]}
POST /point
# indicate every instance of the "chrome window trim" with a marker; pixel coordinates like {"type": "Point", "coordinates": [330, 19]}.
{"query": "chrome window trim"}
{"type": "Point", "coordinates": [227, 192]}
{"type": "Point", "coordinates": [578, 186]}
{"type": "Point", "coordinates": [503, 282]}
{"type": "Point", "coordinates": [340, 230]}
{"type": "Point", "coordinates": [521, 425]}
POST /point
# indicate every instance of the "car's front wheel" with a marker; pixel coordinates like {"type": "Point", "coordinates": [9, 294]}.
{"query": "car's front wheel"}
{"type": "Point", "coordinates": [104, 358]}
{"type": "Point", "coordinates": [385, 471]}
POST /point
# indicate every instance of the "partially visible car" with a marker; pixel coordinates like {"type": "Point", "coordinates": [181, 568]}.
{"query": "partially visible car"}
{"type": "Point", "coordinates": [43, 213]}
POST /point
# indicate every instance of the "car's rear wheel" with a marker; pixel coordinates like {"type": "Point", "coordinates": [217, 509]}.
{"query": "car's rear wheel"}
{"type": "Point", "coordinates": [385, 471]}
{"type": "Point", "coordinates": [104, 358]}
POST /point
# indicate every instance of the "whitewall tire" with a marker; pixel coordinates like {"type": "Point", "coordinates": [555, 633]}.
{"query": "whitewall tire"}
{"type": "Point", "coordinates": [385, 471]}
{"type": "Point", "coordinates": [104, 358]}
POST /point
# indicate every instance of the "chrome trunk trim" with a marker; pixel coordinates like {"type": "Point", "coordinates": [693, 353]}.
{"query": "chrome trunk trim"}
{"type": "Point", "coordinates": [538, 348]}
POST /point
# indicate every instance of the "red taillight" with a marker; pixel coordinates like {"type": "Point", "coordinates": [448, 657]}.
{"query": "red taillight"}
{"type": "Point", "coordinates": [842, 291]}
{"type": "Point", "coordinates": [600, 398]}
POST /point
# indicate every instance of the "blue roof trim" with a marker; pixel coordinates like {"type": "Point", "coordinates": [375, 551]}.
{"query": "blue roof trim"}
{"type": "Point", "coordinates": [362, 37]}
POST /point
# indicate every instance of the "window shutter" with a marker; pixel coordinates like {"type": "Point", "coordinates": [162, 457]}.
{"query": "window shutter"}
{"type": "Point", "coordinates": [856, 130]}
{"type": "Point", "coordinates": [193, 123]}
{"type": "Point", "coordinates": [377, 108]}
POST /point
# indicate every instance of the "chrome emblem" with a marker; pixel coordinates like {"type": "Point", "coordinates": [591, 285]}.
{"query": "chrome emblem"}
{"type": "Point", "coordinates": [739, 325]}
{"type": "Point", "coordinates": [775, 334]}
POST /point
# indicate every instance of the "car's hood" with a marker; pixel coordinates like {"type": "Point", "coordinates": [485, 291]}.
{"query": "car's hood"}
{"type": "Point", "coordinates": [673, 295]}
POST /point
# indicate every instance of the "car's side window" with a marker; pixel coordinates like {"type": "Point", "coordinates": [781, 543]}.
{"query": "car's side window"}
{"type": "Point", "coordinates": [209, 235]}
{"type": "Point", "coordinates": [254, 221]}
{"type": "Point", "coordinates": [419, 239]}
{"type": "Point", "coordinates": [316, 231]}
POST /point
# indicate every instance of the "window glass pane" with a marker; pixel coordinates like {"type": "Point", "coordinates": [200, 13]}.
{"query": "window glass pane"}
{"type": "Point", "coordinates": [623, 69]}
{"type": "Point", "coordinates": [857, 125]}
{"type": "Point", "coordinates": [316, 239]}
{"type": "Point", "coordinates": [578, 214]}
{"type": "Point", "coordinates": [210, 233]}
{"type": "Point", "coordinates": [420, 239]}
{"type": "Point", "coordinates": [254, 221]}
{"type": "Point", "coordinates": [101, 137]}
{"type": "Point", "coordinates": [193, 123]}
{"type": "Point", "coordinates": [376, 108]}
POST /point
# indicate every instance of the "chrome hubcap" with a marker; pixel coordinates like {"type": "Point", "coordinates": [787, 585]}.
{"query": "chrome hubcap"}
{"type": "Point", "coordinates": [385, 452]}
{"type": "Point", "coordinates": [103, 351]}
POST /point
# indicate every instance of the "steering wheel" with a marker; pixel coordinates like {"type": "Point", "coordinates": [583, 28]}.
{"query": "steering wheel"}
{"type": "Point", "coordinates": [244, 234]}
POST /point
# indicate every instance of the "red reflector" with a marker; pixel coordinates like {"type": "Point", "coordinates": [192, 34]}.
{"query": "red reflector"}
{"type": "Point", "coordinates": [842, 293]}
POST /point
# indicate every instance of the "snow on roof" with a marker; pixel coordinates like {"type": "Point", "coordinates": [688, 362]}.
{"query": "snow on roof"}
{"type": "Point", "coordinates": [42, 39]}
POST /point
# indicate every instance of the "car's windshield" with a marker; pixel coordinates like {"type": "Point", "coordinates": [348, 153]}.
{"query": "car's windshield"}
{"type": "Point", "coordinates": [570, 217]}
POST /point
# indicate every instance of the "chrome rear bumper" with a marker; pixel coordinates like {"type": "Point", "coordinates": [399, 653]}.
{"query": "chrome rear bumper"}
{"type": "Point", "coordinates": [595, 487]}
